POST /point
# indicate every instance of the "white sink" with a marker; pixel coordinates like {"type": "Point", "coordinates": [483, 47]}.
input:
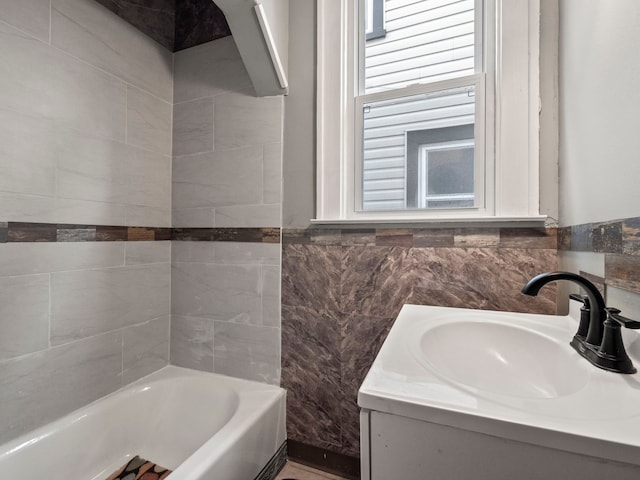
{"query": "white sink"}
{"type": "Point", "coordinates": [509, 375]}
{"type": "Point", "coordinates": [500, 358]}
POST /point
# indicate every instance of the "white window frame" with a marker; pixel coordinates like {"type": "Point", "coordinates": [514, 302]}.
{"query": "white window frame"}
{"type": "Point", "coordinates": [509, 141]}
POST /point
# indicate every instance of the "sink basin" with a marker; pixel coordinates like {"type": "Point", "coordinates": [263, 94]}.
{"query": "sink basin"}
{"type": "Point", "coordinates": [501, 359]}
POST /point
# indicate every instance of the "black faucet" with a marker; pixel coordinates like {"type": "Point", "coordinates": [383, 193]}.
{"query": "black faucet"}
{"type": "Point", "coordinates": [602, 345]}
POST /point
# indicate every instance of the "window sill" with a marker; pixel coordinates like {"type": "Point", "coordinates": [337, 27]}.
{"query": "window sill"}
{"type": "Point", "coordinates": [527, 221]}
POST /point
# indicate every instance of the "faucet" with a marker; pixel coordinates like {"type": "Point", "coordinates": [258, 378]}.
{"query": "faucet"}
{"type": "Point", "coordinates": [602, 345]}
{"type": "Point", "coordinates": [596, 302]}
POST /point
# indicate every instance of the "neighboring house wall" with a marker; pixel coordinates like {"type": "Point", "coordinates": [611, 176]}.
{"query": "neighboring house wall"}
{"type": "Point", "coordinates": [431, 40]}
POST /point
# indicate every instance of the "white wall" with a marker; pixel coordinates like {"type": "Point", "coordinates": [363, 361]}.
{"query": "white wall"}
{"type": "Point", "coordinates": [599, 105]}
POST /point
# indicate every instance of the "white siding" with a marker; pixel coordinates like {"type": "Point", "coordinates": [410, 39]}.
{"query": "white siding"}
{"type": "Point", "coordinates": [426, 41]}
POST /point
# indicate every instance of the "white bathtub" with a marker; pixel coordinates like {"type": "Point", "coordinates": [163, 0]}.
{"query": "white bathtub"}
{"type": "Point", "coordinates": [201, 425]}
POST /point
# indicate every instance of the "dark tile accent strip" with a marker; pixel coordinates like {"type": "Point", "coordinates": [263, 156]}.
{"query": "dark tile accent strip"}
{"type": "Point", "coordinates": [607, 237]}
{"type": "Point", "coordinates": [277, 463]}
{"type": "Point", "coordinates": [51, 232]}
{"type": "Point", "coordinates": [631, 236]}
{"type": "Point", "coordinates": [473, 237]}
{"type": "Point", "coordinates": [325, 460]}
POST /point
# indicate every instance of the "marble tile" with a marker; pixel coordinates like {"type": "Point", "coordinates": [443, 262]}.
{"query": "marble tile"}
{"type": "Point", "coordinates": [311, 277]}
{"type": "Point", "coordinates": [248, 216]}
{"type": "Point", "coordinates": [33, 258]}
{"type": "Point", "coordinates": [193, 127]}
{"type": "Point", "coordinates": [89, 32]}
{"type": "Point", "coordinates": [376, 281]}
{"type": "Point", "coordinates": [145, 348]}
{"type": "Point", "coordinates": [271, 296]}
{"type": "Point", "coordinates": [564, 238]}
{"type": "Point", "coordinates": [30, 16]}
{"type": "Point", "coordinates": [228, 177]}
{"type": "Point", "coordinates": [209, 69]}
{"type": "Point", "coordinates": [272, 173]}
{"type": "Point", "coordinates": [245, 253]}
{"type": "Point", "coordinates": [311, 364]}
{"type": "Point", "coordinates": [148, 121]}
{"type": "Point", "coordinates": [362, 337]}
{"type": "Point", "coordinates": [247, 351]}
{"type": "Point", "coordinates": [89, 302]}
{"type": "Point", "coordinates": [192, 342]}
{"type": "Point", "coordinates": [198, 252]}
{"type": "Point", "coordinates": [193, 217]}
{"type": "Point", "coordinates": [232, 293]}
{"type": "Point", "coordinates": [155, 19]}
{"type": "Point", "coordinates": [140, 253]}
{"type": "Point", "coordinates": [24, 315]}
{"type": "Point", "coordinates": [44, 386]}
{"type": "Point", "coordinates": [59, 87]}
{"type": "Point", "coordinates": [243, 120]}
{"type": "Point", "coordinates": [488, 279]}
{"type": "Point", "coordinates": [27, 154]}
{"type": "Point", "coordinates": [198, 22]}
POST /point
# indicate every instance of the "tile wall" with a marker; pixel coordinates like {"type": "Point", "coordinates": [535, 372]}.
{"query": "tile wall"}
{"type": "Point", "coordinates": [227, 157]}
{"type": "Point", "coordinates": [342, 290]}
{"type": "Point", "coordinates": [85, 139]}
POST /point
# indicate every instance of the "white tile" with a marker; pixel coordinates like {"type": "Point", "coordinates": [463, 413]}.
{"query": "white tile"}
{"type": "Point", "coordinates": [271, 296]}
{"type": "Point", "coordinates": [242, 120]}
{"type": "Point", "coordinates": [147, 180]}
{"type": "Point", "coordinates": [148, 121]}
{"type": "Point", "coordinates": [41, 387]}
{"type": "Point", "coordinates": [272, 173]}
{"type": "Point", "coordinates": [27, 154]}
{"type": "Point", "coordinates": [222, 292]}
{"type": "Point", "coordinates": [24, 315]}
{"type": "Point", "coordinates": [193, 127]}
{"type": "Point", "coordinates": [137, 253]}
{"type": "Point", "coordinates": [89, 302]}
{"type": "Point", "coordinates": [32, 258]}
{"type": "Point", "coordinates": [89, 31]}
{"type": "Point", "coordinates": [40, 80]}
{"type": "Point", "coordinates": [193, 217]}
{"type": "Point", "coordinates": [30, 16]}
{"type": "Point", "coordinates": [247, 253]}
{"type": "Point", "coordinates": [142, 216]}
{"type": "Point", "coordinates": [199, 252]}
{"type": "Point", "coordinates": [228, 177]}
{"type": "Point", "coordinates": [248, 216]}
{"type": "Point", "coordinates": [247, 351]}
{"type": "Point", "coordinates": [192, 342]}
{"type": "Point", "coordinates": [88, 212]}
{"type": "Point", "coordinates": [209, 69]}
{"type": "Point", "coordinates": [145, 348]}
{"type": "Point", "coordinates": [16, 207]}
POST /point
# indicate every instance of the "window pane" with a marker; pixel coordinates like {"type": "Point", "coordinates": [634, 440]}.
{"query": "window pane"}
{"type": "Point", "coordinates": [423, 41]}
{"type": "Point", "coordinates": [396, 132]}
{"type": "Point", "coordinates": [447, 175]}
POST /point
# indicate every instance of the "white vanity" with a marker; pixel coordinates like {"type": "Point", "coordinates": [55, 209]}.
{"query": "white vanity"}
{"type": "Point", "coordinates": [458, 394]}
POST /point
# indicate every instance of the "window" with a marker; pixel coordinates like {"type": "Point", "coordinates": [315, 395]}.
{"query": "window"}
{"type": "Point", "coordinates": [434, 119]}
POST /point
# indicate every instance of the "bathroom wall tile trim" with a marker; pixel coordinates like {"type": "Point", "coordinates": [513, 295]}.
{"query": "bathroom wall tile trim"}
{"type": "Point", "coordinates": [534, 238]}
{"type": "Point", "coordinates": [55, 232]}
{"type": "Point", "coordinates": [618, 240]}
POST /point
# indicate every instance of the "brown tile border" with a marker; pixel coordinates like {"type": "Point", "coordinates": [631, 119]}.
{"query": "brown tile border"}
{"type": "Point", "coordinates": [323, 459]}
{"type": "Point", "coordinates": [613, 237]}
{"type": "Point", "coordinates": [473, 237]}
{"type": "Point", "coordinates": [22, 232]}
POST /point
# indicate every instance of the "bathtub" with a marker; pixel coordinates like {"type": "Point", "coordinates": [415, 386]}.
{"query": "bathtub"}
{"type": "Point", "coordinates": [201, 425]}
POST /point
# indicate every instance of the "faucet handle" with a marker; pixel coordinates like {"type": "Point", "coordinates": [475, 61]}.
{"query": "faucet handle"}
{"type": "Point", "coordinates": [614, 314]}
{"type": "Point", "coordinates": [585, 312]}
{"type": "Point", "coordinates": [580, 298]}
